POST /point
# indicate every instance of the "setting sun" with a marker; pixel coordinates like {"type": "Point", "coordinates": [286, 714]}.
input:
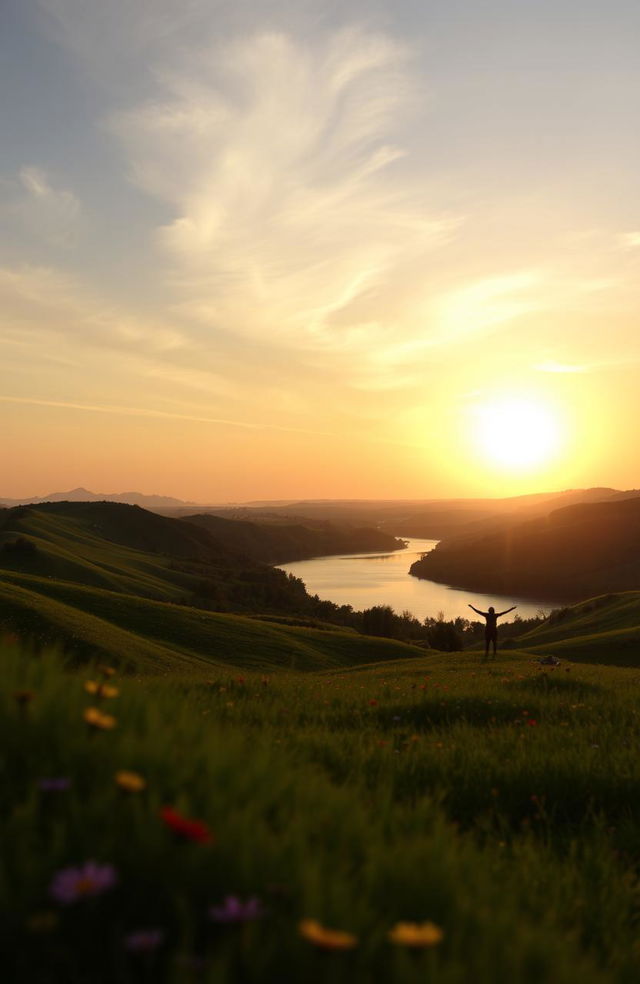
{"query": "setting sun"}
{"type": "Point", "coordinates": [518, 433]}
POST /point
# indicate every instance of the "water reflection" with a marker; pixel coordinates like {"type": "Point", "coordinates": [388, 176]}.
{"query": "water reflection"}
{"type": "Point", "coordinates": [365, 580]}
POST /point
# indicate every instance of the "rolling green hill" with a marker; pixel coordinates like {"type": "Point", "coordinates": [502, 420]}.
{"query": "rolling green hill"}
{"type": "Point", "coordinates": [141, 635]}
{"type": "Point", "coordinates": [125, 548]}
{"type": "Point", "coordinates": [604, 630]}
{"type": "Point", "coordinates": [128, 586]}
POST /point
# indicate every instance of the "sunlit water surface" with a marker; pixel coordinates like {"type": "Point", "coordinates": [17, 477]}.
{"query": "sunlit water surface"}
{"type": "Point", "coordinates": [365, 580]}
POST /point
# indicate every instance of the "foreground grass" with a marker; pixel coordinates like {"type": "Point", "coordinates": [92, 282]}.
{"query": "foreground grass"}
{"type": "Point", "coordinates": [497, 801]}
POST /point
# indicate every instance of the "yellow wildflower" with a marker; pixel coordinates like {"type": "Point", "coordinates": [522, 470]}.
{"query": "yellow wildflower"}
{"type": "Point", "coordinates": [416, 934]}
{"type": "Point", "coordinates": [130, 782]}
{"type": "Point", "coordinates": [96, 719]}
{"type": "Point", "coordinates": [107, 671]}
{"type": "Point", "coordinates": [327, 939]}
{"type": "Point", "coordinates": [100, 689]}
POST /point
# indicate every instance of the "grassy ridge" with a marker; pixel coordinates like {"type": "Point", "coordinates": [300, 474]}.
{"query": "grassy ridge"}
{"type": "Point", "coordinates": [72, 547]}
{"type": "Point", "coordinates": [499, 802]}
{"type": "Point", "coordinates": [141, 635]}
{"type": "Point", "coordinates": [603, 630]}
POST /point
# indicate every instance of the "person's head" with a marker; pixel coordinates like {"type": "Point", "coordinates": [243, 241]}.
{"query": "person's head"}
{"type": "Point", "coordinates": [491, 609]}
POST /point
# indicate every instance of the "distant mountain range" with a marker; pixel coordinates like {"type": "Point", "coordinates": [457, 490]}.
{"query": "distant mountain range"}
{"type": "Point", "coordinates": [437, 519]}
{"type": "Point", "coordinates": [84, 495]}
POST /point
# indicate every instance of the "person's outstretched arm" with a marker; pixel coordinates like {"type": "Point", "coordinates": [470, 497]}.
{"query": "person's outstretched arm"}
{"type": "Point", "coordinates": [506, 611]}
{"type": "Point", "coordinates": [478, 612]}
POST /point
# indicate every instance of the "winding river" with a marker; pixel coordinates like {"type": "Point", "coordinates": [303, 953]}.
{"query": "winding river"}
{"type": "Point", "coordinates": [365, 580]}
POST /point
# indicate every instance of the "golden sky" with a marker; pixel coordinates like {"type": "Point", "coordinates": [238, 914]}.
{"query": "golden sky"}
{"type": "Point", "coordinates": [272, 250]}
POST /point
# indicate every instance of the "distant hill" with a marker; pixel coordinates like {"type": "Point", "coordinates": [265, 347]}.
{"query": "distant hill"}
{"type": "Point", "coordinates": [575, 552]}
{"type": "Point", "coordinates": [428, 518]}
{"type": "Point", "coordinates": [280, 543]}
{"type": "Point", "coordinates": [84, 495]}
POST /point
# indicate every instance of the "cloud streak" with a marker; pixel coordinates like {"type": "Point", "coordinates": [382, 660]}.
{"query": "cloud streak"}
{"type": "Point", "coordinates": [127, 411]}
{"type": "Point", "coordinates": [277, 158]}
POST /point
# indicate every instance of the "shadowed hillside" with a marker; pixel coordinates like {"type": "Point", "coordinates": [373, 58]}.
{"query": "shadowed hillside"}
{"type": "Point", "coordinates": [281, 543]}
{"type": "Point", "coordinates": [137, 589]}
{"type": "Point", "coordinates": [576, 552]}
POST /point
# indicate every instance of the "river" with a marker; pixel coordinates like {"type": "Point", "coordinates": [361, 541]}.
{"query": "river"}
{"type": "Point", "coordinates": [365, 580]}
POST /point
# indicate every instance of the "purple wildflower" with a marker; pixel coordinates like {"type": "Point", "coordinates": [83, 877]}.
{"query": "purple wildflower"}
{"type": "Point", "coordinates": [233, 910]}
{"type": "Point", "coordinates": [55, 784]}
{"type": "Point", "coordinates": [71, 884]}
{"type": "Point", "coordinates": [144, 940]}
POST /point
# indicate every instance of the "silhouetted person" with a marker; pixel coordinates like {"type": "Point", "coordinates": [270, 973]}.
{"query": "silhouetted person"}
{"type": "Point", "coordinates": [491, 631]}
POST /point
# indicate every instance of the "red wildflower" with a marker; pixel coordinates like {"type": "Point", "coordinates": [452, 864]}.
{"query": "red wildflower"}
{"type": "Point", "coordinates": [192, 830]}
{"type": "Point", "coordinates": [532, 723]}
{"type": "Point", "coordinates": [373, 703]}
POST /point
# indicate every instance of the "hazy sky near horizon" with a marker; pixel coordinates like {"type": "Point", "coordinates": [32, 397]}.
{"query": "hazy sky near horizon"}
{"type": "Point", "coordinates": [273, 249]}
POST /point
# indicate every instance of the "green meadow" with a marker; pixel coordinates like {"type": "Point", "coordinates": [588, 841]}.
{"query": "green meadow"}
{"type": "Point", "coordinates": [254, 795]}
{"type": "Point", "coordinates": [495, 801]}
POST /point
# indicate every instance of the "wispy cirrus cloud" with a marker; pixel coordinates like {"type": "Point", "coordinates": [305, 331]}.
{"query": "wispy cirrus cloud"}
{"type": "Point", "coordinates": [277, 159]}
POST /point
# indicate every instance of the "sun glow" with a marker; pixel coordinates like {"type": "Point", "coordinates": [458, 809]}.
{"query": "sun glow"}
{"type": "Point", "coordinates": [517, 433]}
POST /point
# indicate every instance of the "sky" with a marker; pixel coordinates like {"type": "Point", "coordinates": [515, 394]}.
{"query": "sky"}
{"type": "Point", "coordinates": [302, 248]}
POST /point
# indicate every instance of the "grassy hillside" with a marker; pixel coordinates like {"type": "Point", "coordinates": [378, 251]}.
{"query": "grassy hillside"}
{"type": "Point", "coordinates": [604, 630]}
{"type": "Point", "coordinates": [490, 811]}
{"type": "Point", "coordinates": [125, 548]}
{"type": "Point", "coordinates": [576, 552]}
{"type": "Point", "coordinates": [141, 635]}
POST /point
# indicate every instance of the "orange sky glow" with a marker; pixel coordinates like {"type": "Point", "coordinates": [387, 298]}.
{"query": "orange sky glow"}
{"type": "Point", "coordinates": [264, 255]}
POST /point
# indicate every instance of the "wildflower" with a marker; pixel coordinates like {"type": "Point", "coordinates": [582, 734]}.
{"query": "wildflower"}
{"type": "Point", "coordinates": [192, 830]}
{"type": "Point", "coordinates": [71, 884]}
{"type": "Point", "coordinates": [233, 910]}
{"type": "Point", "coordinates": [326, 939]}
{"type": "Point", "coordinates": [55, 784]}
{"type": "Point", "coordinates": [130, 782]}
{"type": "Point", "coordinates": [96, 719]}
{"type": "Point", "coordinates": [107, 671]}
{"type": "Point", "coordinates": [532, 723]}
{"type": "Point", "coordinates": [100, 689]}
{"type": "Point", "coordinates": [372, 703]}
{"type": "Point", "coordinates": [144, 940]}
{"type": "Point", "coordinates": [416, 934]}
